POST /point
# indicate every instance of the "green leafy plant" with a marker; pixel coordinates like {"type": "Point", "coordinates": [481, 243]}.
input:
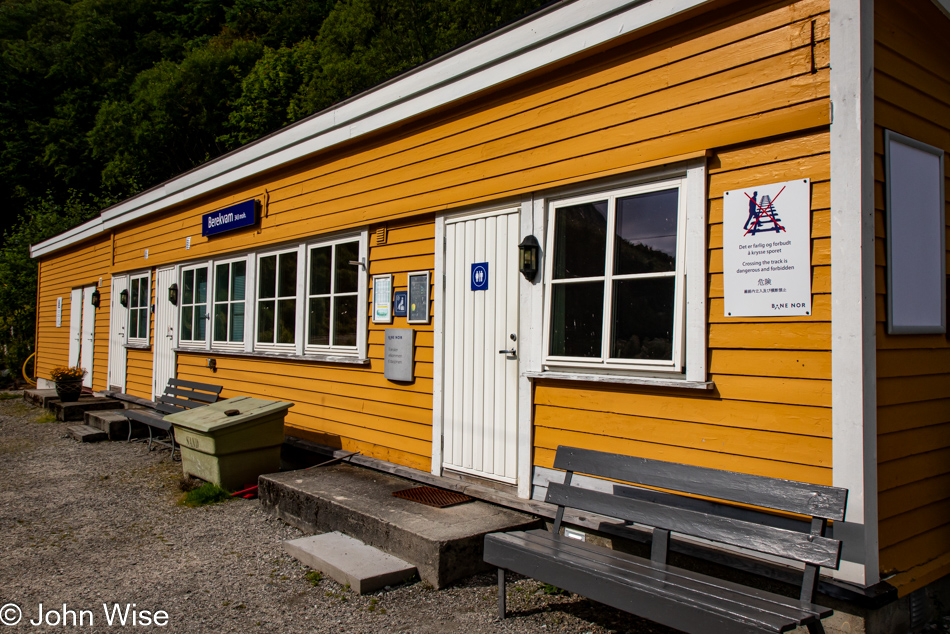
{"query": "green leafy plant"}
{"type": "Point", "coordinates": [208, 493]}
{"type": "Point", "coordinates": [314, 577]}
{"type": "Point", "coordinates": [547, 588]}
{"type": "Point", "coordinates": [64, 373]}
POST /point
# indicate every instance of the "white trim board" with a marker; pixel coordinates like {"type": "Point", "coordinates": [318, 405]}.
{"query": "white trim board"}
{"type": "Point", "coordinates": [539, 40]}
{"type": "Point", "coordinates": [853, 345]}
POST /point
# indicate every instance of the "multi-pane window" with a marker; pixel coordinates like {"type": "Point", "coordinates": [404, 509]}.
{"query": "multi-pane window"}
{"type": "Point", "coordinates": [332, 295]}
{"type": "Point", "coordinates": [138, 309]}
{"type": "Point", "coordinates": [277, 299]}
{"type": "Point", "coordinates": [194, 305]}
{"type": "Point", "coordinates": [615, 276]}
{"type": "Point", "coordinates": [229, 298]}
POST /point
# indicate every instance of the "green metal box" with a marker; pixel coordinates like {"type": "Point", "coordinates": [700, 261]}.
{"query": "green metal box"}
{"type": "Point", "coordinates": [231, 442]}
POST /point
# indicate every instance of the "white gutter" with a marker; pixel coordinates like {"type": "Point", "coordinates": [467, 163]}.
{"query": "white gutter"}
{"type": "Point", "coordinates": [541, 39]}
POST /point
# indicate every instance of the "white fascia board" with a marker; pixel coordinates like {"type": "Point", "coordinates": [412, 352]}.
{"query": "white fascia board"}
{"type": "Point", "coordinates": [537, 41]}
{"type": "Point", "coordinates": [944, 6]}
{"type": "Point", "coordinates": [86, 230]}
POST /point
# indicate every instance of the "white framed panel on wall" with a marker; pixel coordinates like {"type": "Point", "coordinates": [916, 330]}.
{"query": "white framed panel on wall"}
{"type": "Point", "coordinates": [916, 234]}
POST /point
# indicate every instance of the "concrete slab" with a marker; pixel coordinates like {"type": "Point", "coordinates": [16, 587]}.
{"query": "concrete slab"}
{"type": "Point", "coordinates": [85, 433]}
{"type": "Point", "coordinates": [40, 398]}
{"type": "Point", "coordinates": [114, 423]}
{"type": "Point", "coordinates": [76, 410]}
{"type": "Point", "coordinates": [444, 544]}
{"type": "Point", "coordinates": [350, 562]}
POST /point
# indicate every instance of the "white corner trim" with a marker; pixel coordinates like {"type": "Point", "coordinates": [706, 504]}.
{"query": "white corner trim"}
{"type": "Point", "coordinates": [543, 38]}
{"type": "Point", "coordinates": [853, 344]}
{"type": "Point", "coordinates": [696, 271]}
{"type": "Point", "coordinates": [530, 346]}
{"type": "Point", "coordinates": [438, 349]}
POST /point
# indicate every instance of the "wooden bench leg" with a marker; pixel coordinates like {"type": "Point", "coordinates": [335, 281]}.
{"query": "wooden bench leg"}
{"type": "Point", "coordinates": [815, 628]}
{"type": "Point", "coordinates": [501, 593]}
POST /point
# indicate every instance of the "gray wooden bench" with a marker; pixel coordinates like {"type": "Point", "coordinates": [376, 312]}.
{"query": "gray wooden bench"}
{"type": "Point", "coordinates": [179, 395]}
{"type": "Point", "coordinates": [656, 590]}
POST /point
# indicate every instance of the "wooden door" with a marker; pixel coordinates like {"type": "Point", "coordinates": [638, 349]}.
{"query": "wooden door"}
{"type": "Point", "coordinates": [166, 332]}
{"type": "Point", "coordinates": [118, 323]}
{"type": "Point", "coordinates": [480, 367]}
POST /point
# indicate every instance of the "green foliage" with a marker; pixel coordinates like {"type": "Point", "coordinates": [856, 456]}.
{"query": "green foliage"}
{"type": "Point", "coordinates": [208, 493]}
{"type": "Point", "coordinates": [314, 577]}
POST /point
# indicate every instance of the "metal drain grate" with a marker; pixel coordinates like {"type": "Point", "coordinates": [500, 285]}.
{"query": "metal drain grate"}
{"type": "Point", "coordinates": [431, 496]}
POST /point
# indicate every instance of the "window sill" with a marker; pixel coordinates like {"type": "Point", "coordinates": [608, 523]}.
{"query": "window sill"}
{"type": "Point", "coordinates": [647, 381]}
{"type": "Point", "coordinates": [320, 358]}
{"type": "Point", "coordinates": [138, 346]}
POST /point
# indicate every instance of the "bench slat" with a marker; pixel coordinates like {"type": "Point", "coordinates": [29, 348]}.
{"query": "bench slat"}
{"type": "Point", "coordinates": [821, 551]}
{"type": "Point", "coordinates": [204, 387]}
{"type": "Point", "coordinates": [674, 597]}
{"type": "Point", "coordinates": [193, 395]}
{"type": "Point", "coordinates": [771, 493]}
{"type": "Point", "coordinates": [180, 403]}
{"type": "Point", "coordinates": [148, 419]}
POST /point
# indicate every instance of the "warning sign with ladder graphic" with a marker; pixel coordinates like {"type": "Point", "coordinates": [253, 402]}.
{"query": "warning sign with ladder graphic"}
{"type": "Point", "coordinates": [766, 240]}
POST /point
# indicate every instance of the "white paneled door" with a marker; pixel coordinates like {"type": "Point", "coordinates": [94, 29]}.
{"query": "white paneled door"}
{"type": "Point", "coordinates": [82, 330]}
{"type": "Point", "coordinates": [166, 331]}
{"type": "Point", "coordinates": [118, 322]}
{"type": "Point", "coordinates": [480, 344]}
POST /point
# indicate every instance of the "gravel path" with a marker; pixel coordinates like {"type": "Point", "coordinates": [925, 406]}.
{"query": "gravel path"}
{"type": "Point", "coordinates": [88, 524]}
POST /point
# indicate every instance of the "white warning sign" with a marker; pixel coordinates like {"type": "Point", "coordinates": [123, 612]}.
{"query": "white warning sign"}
{"type": "Point", "coordinates": [766, 257]}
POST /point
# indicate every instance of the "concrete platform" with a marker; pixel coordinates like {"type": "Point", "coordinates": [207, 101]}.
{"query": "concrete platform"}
{"type": "Point", "coordinates": [85, 433]}
{"type": "Point", "coordinates": [350, 562]}
{"type": "Point", "coordinates": [40, 398]}
{"type": "Point", "coordinates": [76, 410]}
{"type": "Point", "coordinates": [443, 544]}
{"type": "Point", "coordinates": [114, 423]}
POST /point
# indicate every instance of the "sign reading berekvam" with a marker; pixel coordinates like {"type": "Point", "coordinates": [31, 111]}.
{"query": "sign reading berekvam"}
{"type": "Point", "coordinates": [766, 250]}
{"type": "Point", "coordinates": [233, 217]}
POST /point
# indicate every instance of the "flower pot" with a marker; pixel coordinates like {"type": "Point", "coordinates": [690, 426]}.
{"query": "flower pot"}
{"type": "Point", "coordinates": [69, 391]}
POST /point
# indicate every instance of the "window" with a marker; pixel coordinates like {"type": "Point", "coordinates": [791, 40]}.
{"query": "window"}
{"type": "Point", "coordinates": [194, 306]}
{"type": "Point", "coordinates": [333, 296]}
{"type": "Point", "coordinates": [139, 296]}
{"type": "Point", "coordinates": [616, 279]}
{"type": "Point", "coordinates": [277, 300]}
{"type": "Point", "coordinates": [229, 296]}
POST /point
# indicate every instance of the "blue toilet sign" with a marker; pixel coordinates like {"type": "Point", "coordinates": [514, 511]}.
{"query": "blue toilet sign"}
{"type": "Point", "coordinates": [480, 276]}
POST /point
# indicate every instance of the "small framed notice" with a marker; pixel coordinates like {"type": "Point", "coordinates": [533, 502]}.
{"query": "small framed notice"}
{"type": "Point", "coordinates": [418, 298]}
{"type": "Point", "coordinates": [766, 250]}
{"type": "Point", "coordinates": [382, 299]}
{"type": "Point", "coordinates": [400, 303]}
{"type": "Point", "coordinates": [59, 312]}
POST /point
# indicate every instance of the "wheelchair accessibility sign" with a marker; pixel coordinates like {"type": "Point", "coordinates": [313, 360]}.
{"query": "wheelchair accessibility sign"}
{"type": "Point", "coordinates": [480, 276]}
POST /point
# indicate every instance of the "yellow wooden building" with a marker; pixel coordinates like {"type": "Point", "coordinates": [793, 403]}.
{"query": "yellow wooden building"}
{"type": "Point", "coordinates": [611, 131]}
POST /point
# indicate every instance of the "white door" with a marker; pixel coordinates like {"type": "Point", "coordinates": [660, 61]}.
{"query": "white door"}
{"type": "Point", "coordinates": [118, 322]}
{"type": "Point", "coordinates": [88, 331]}
{"type": "Point", "coordinates": [480, 343]}
{"type": "Point", "coordinates": [166, 332]}
{"type": "Point", "coordinates": [75, 326]}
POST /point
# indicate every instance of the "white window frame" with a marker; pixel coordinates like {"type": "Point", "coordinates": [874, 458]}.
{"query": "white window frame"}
{"type": "Point", "coordinates": [360, 347]}
{"type": "Point", "coordinates": [286, 348]}
{"type": "Point", "coordinates": [236, 346]}
{"type": "Point", "coordinates": [689, 327]}
{"type": "Point", "coordinates": [141, 341]}
{"type": "Point", "coordinates": [194, 344]}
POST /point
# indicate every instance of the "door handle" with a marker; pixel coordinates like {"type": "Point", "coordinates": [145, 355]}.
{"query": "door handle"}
{"type": "Point", "coordinates": [512, 352]}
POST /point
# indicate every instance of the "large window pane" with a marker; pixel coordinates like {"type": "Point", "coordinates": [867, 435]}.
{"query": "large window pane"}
{"type": "Point", "coordinates": [643, 319]}
{"type": "Point", "coordinates": [320, 270]}
{"type": "Point", "coordinates": [201, 285]}
{"type": "Point", "coordinates": [143, 322]}
{"type": "Point", "coordinates": [580, 240]}
{"type": "Point", "coordinates": [577, 319]}
{"type": "Point", "coordinates": [287, 281]}
{"type": "Point", "coordinates": [187, 321]}
{"type": "Point", "coordinates": [345, 275]}
{"type": "Point", "coordinates": [201, 321]}
{"type": "Point", "coordinates": [143, 294]}
{"type": "Point", "coordinates": [238, 280]}
{"type": "Point", "coordinates": [188, 288]}
{"type": "Point", "coordinates": [344, 321]}
{"type": "Point", "coordinates": [265, 322]}
{"type": "Point", "coordinates": [286, 320]}
{"type": "Point", "coordinates": [267, 285]}
{"type": "Point", "coordinates": [221, 279]}
{"type": "Point", "coordinates": [134, 294]}
{"type": "Point", "coordinates": [646, 233]}
{"type": "Point", "coordinates": [220, 322]}
{"type": "Point", "coordinates": [319, 321]}
{"type": "Point", "coordinates": [237, 322]}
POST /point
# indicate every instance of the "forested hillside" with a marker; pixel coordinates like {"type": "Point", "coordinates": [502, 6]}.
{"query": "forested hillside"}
{"type": "Point", "coordinates": [102, 99]}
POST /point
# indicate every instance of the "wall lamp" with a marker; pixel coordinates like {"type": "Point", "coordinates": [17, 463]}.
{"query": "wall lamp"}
{"type": "Point", "coordinates": [529, 252]}
{"type": "Point", "coordinates": [94, 298]}
{"type": "Point", "coordinates": [124, 298]}
{"type": "Point", "coordinates": [173, 294]}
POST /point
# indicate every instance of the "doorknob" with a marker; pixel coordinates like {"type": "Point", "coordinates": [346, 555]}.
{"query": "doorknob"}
{"type": "Point", "coordinates": [512, 352]}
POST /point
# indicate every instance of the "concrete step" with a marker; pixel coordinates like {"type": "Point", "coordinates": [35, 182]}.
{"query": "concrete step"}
{"type": "Point", "coordinates": [350, 562]}
{"type": "Point", "coordinates": [443, 544]}
{"type": "Point", "coordinates": [39, 397]}
{"type": "Point", "coordinates": [77, 409]}
{"type": "Point", "coordinates": [114, 423]}
{"type": "Point", "coordinates": [85, 433]}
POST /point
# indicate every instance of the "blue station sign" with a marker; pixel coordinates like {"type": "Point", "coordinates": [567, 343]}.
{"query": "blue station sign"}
{"type": "Point", "coordinates": [230, 218]}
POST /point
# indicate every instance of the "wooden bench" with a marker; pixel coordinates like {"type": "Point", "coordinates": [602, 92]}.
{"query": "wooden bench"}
{"type": "Point", "coordinates": [179, 395]}
{"type": "Point", "coordinates": [656, 590]}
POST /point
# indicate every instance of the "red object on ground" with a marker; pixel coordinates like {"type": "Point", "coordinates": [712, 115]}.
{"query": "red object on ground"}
{"type": "Point", "coordinates": [248, 494]}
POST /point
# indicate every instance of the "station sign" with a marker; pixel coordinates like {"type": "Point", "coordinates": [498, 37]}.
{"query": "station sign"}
{"type": "Point", "coordinates": [230, 218]}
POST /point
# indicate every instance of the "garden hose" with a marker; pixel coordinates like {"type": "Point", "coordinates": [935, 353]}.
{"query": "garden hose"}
{"type": "Point", "coordinates": [25, 377]}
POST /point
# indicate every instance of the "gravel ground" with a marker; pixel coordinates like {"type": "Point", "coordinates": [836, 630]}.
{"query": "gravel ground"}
{"type": "Point", "coordinates": [88, 524]}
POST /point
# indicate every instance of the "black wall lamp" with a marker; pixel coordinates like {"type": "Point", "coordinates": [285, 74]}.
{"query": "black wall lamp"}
{"type": "Point", "coordinates": [173, 294]}
{"type": "Point", "coordinates": [529, 252]}
{"type": "Point", "coordinates": [124, 298]}
{"type": "Point", "coordinates": [94, 298]}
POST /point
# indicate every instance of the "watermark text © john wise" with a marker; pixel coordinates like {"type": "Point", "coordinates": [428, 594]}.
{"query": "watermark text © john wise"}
{"type": "Point", "coordinates": [112, 615]}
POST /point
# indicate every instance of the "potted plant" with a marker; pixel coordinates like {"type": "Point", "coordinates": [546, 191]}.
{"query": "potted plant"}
{"type": "Point", "coordinates": [68, 382]}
